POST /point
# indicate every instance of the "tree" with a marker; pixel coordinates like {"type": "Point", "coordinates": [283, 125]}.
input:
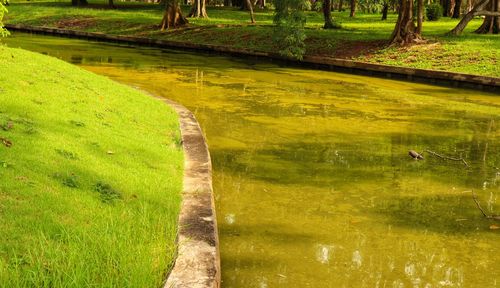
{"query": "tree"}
{"type": "Point", "coordinates": [198, 9]}
{"type": "Point", "coordinates": [84, 3]}
{"type": "Point", "coordinates": [173, 16]}
{"type": "Point", "coordinates": [327, 13]}
{"type": "Point", "coordinates": [3, 10]}
{"type": "Point", "coordinates": [353, 8]}
{"type": "Point", "coordinates": [446, 4]}
{"type": "Point", "coordinates": [289, 20]}
{"type": "Point", "coordinates": [79, 2]}
{"type": "Point", "coordinates": [491, 23]}
{"type": "Point", "coordinates": [456, 9]}
{"type": "Point", "coordinates": [249, 5]}
{"type": "Point", "coordinates": [385, 9]}
{"type": "Point", "coordinates": [341, 2]}
{"type": "Point", "coordinates": [260, 3]}
{"type": "Point", "coordinates": [405, 31]}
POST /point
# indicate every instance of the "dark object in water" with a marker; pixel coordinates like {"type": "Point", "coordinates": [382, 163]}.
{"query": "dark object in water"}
{"type": "Point", "coordinates": [415, 155]}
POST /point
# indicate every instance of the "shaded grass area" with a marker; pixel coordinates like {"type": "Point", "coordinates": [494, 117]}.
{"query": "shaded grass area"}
{"type": "Point", "coordinates": [362, 38]}
{"type": "Point", "coordinates": [90, 185]}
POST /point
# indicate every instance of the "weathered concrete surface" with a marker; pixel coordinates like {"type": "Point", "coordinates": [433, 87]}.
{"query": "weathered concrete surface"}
{"type": "Point", "coordinates": [198, 261]}
{"type": "Point", "coordinates": [323, 63]}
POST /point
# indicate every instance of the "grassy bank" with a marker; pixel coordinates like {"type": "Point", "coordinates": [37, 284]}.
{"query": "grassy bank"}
{"type": "Point", "coordinates": [362, 38]}
{"type": "Point", "coordinates": [91, 174]}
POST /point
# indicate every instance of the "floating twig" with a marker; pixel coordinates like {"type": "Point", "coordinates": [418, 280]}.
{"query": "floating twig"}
{"type": "Point", "coordinates": [447, 157]}
{"type": "Point", "coordinates": [494, 217]}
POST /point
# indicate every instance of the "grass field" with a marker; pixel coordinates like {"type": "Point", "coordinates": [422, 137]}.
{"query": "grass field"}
{"type": "Point", "coordinates": [362, 38]}
{"type": "Point", "coordinates": [91, 174]}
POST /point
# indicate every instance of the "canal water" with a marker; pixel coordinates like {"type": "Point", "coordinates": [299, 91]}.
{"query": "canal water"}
{"type": "Point", "coordinates": [313, 183]}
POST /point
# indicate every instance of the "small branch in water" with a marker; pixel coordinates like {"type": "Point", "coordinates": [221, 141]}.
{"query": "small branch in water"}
{"type": "Point", "coordinates": [446, 157]}
{"type": "Point", "coordinates": [494, 217]}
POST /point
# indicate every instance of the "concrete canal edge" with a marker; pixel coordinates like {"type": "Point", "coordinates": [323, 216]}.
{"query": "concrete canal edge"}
{"type": "Point", "coordinates": [323, 63]}
{"type": "Point", "coordinates": [198, 262]}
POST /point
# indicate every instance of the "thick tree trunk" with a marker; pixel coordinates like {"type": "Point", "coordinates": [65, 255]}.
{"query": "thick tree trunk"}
{"type": "Point", "coordinates": [111, 4]}
{"type": "Point", "coordinates": [469, 5]}
{"type": "Point", "coordinates": [385, 9]}
{"type": "Point", "coordinates": [249, 5]}
{"type": "Point", "coordinates": [327, 14]}
{"type": "Point", "coordinates": [420, 17]}
{"type": "Point", "coordinates": [491, 23]}
{"type": "Point", "coordinates": [353, 8]}
{"type": "Point", "coordinates": [446, 4]}
{"type": "Point", "coordinates": [477, 10]}
{"type": "Point", "coordinates": [198, 10]}
{"type": "Point", "coordinates": [405, 31]}
{"type": "Point", "coordinates": [173, 18]}
{"type": "Point", "coordinates": [340, 5]}
{"type": "Point", "coordinates": [456, 9]}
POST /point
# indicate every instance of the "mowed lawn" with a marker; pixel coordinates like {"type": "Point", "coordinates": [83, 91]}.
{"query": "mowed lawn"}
{"type": "Point", "coordinates": [90, 178]}
{"type": "Point", "coordinates": [362, 38]}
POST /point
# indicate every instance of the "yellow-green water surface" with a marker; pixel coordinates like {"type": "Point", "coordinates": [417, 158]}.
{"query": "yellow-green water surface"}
{"type": "Point", "coordinates": [313, 183]}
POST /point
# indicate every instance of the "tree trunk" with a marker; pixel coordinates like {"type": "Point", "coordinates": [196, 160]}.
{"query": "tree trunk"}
{"type": "Point", "coordinates": [491, 23]}
{"type": "Point", "coordinates": [236, 3]}
{"type": "Point", "coordinates": [353, 8]}
{"type": "Point", "coordinates": [446, 4]}
{"type": "Point", "coordinates": [469, 5]}
{"type": "Point", "coordinates": [385, 9]}
{"type": "Point", "coordinates": [340, 5]}
{"type": "Point", "coordinates": [198, 10]}
{"type": "Point", "coordinates": [327, 13]}
{"type": "Point", "coordinates": [420, 17]}
{"type": "Point", "coordinates": [111, 4]}
{"type": "Point", "coordinates": [405, 31]}
{"type": "Point", "coordinates": [478, 8]}
{"type": "Point", "coordinates": [456, 9]}
{"type": "Point", "coordinates": [249, 5]}
{"type": "Point", "coordinates": [79, 2]}
{"type": "Point", "coordinates": [172, 18]}
{"type": "Point", "coordinates": [228, 3]}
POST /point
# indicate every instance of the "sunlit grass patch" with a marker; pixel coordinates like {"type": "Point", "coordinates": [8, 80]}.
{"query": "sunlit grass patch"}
{"type": "Point", "coordinates": [90, 185]}
{"type": "Point", "coordinates": [362, 38]}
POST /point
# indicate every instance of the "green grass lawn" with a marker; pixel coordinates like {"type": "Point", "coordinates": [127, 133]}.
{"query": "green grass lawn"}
{"type": "Point", "coordinates": [362, 38]}
{"type": "Point", "coordinates": [91, 174]}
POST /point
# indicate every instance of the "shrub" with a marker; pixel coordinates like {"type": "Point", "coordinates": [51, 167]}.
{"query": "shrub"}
{"type": "Point", "coordinates": [433, 12]}
{"type": "Point", "coordinates": [318, 6]}
{"type": "Point", "coordinates": [289, 21]}
{"type": "Point", "coordinates": [3, 10]}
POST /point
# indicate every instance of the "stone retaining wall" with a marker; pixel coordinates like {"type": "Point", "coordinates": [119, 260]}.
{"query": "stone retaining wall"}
{"type": "Point", "coordinates": [198, 262]}
{"type": "Point", "coordinates": [340, 65]}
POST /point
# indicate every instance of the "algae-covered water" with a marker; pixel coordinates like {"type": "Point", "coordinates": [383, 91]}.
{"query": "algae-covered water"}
{"type": "Point", "coordinates": [313, 183]}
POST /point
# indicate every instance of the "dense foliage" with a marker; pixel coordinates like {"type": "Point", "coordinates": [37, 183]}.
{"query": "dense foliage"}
{"type": "Point", "coordinates": [3, 10]}
{"type": "Point", "coordinates": [433, 12]}
{"type": "Point", "coordinates": [289, 34]}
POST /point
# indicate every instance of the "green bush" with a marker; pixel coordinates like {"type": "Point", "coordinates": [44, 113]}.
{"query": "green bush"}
{"type": "Point", "coordinates": [318, 6]}
{"type": "Point", "coordinates": [433, 12]}
{"type": "Point", "coordinates": [3, 10]}
{"type": "Point", "coordinates": [289, 22]}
